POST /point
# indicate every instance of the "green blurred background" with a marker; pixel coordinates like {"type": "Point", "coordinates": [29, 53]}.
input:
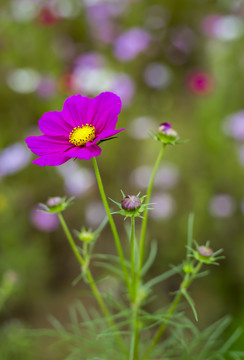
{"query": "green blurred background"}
{"type": "Point", "coordinates": [170, 61]}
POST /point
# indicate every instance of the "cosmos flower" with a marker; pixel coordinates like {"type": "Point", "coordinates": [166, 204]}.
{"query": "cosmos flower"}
{"type": "Point", "coordinates": [76, 131]}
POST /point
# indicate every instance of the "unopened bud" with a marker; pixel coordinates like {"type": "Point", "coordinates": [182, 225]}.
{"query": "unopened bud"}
{"type": "Point", "coordinates": [54, 201]}
{"type": "Point", "coordinates": [166, 134]}
{"type": "Point", "coordinates": [164, 127]}
{"type": "Point", "coordinates": [205, 251]}
{"type": "Point", "coordinates": [131, 203]}
{"type": "Point", "coordinates": [86, 236]}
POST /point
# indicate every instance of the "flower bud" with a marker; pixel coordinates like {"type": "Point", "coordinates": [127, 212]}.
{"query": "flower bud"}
{"type": "Point", "coordinates": [54, 201]}
{"type": "Point", "coordinates": [164, 127]}
{"type": "Point", "coordinates": [56, 204]}
{"type": "Point", "coordinates": [86, 236]}
{"type": "Point", "coordinates": [188, 268]}
{"type": "Point", "coordinates": [205, 251]}
{"type": "Point", "coordinates": [166, 134]}
{"type": "Point", "coordinates": [131, 203]}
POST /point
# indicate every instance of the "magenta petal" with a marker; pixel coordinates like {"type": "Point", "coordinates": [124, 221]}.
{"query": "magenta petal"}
{"type": "Point", "coordinates": [85, 153]}
{"type": "Point", "coordinates": [75, 110]}
{"type": "Point", "coordinates": [103, 111]}
{"type": "Point", "coordinates": [43, 145]}
{"type": "Point", "coordinates": [54, 159]}
{"type": "Point", "coordinates": [53, 124]}
{"type": "Point", "coordinates": [104, 135]}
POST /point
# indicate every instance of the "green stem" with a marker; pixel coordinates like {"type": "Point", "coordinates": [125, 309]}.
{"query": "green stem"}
{"type": "Point", "coordinates": [147, 200]}
{"type": "Point", "coordinates": [91, 280]}
{"type": "Point", "coordinates": [134, 291]}
{"type": "Point", "coordinates": [135, 334]}
{"type": "Point", "coordinates": [132, 244]}
{"type": "Point", "coordinates": [112, 224]}
{"type": "Point", "coordinates": [183, 287]}
{"type": "Point", "coordinates": [70, 239]}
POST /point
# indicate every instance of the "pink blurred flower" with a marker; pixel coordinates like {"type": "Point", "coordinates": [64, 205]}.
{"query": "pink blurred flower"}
{"type": "Point", "coordinates": [200, 82]}
{"type": "Point", "coordinates": [47, 16]}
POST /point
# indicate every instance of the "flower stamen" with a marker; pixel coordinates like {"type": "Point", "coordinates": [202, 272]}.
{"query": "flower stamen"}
{"type": "Point", "coordinates": [79, 136]}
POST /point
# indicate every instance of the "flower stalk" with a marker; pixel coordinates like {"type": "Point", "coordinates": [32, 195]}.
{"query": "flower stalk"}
{"type": "Point", "coordinates": [112, 223]}
{"type": "Point", "coordinates": [91, 281]}
{"type": "Point", "coordinates": [145, 214]}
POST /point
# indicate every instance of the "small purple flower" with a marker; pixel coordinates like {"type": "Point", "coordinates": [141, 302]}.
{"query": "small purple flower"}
{"type": "Point", "coordinates": [46, 88]}
{"type": "Point", "coordinates": [129, 44]}
{"type": "Point", "coordinates": [75, 131]}
{"type": "Point", "coordinates": [44, 221]}
{"type": "Point", "coordinates": [131, 203]}
{"type": "Point", "coordinates": [222, 205]}
{"type": "Point", "coordinates": [124, 87]}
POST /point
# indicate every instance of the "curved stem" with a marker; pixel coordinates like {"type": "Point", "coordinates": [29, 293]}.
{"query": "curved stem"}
{"type": "Point", "coordinates": [147, 200]}
{"type": "Point", "coordinates": [112, 224]}
{"type": "Point", "coordinates": [70, 239]}
{"type": "Point", "coordinates": [91, 281]}
{"type": "Point", "coordinates": [183, 287]}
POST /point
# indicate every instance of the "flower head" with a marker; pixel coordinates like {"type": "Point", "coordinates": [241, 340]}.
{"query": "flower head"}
{"type": "Point", "coordinates": [56, 204]}
{"type": "Point", "coordinates": [131, 205]}
{"type": "Point", "coordinates": [205, 255]}
{"type": "Point", "coordinates": [76, 131]}
{"type": "Point", "coordinates": [131, 202]}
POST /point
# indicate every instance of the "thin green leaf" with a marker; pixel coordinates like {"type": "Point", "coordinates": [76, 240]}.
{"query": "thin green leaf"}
{"type": "Point", "coordinates": [190, 301]}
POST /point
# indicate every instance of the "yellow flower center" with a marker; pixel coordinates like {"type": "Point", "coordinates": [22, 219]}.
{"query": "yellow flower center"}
{"type": "Point", "coordinates": [79, 136]}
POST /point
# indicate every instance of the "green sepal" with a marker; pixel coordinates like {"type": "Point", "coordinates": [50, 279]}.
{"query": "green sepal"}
{"type": "Point", "coordinates": [64, 203]}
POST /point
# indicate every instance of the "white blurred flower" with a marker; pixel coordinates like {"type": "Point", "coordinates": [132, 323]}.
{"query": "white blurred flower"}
{"type": "Point", "coordinates": [157, 76]}
{"type": "Point", "coordinates": [24, 10]}
{"type": "Point", "coordinates": [95, 213]}
{"type": "Point", "coordinates": [23, 81]}
{"type": "Point", "coordinates": [167, 176]}
{"type": "Point", "coordinates": [164, 206]}
{"type": "Point", "coordinates": [140, 127]}
{"type": "Point", "coordinates": [77, 180]}
{"type": "Point", "coordinates": [14, 158]}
